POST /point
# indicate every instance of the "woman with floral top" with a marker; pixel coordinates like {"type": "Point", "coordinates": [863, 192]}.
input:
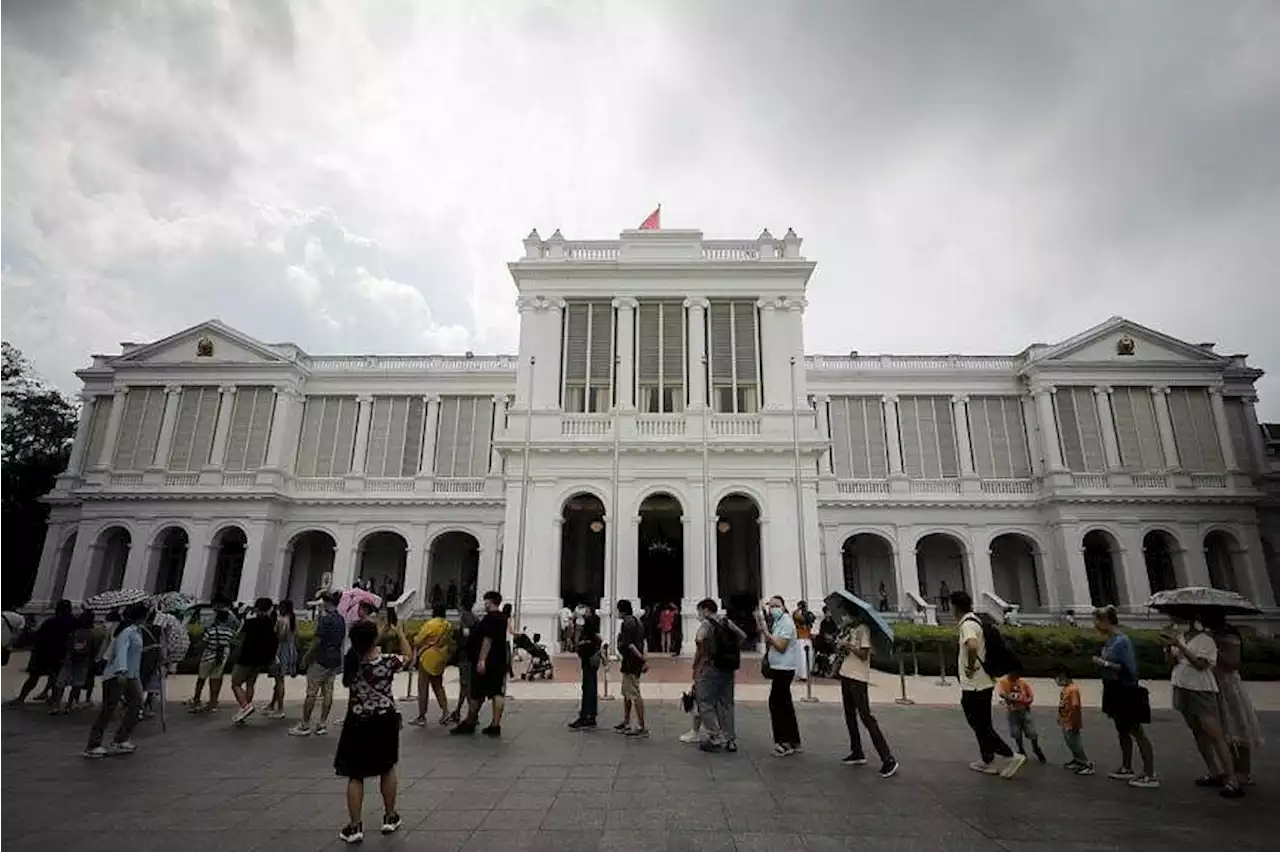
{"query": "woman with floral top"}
{"type": "Point", "coordinates": [370, 741]}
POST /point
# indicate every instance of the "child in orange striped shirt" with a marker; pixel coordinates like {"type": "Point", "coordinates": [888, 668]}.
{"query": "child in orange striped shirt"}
{"type": "Point", "coordinates": [1071, 720]}
{"type": "Point", "coordinates": [1016, 694]}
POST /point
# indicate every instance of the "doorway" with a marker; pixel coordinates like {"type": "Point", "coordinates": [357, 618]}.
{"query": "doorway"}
{"type": "Point", "coordinates": [660, 562]}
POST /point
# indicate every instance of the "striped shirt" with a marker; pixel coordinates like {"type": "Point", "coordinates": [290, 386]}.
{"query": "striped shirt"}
{"type": "Point", "coordinates": [217, 640]}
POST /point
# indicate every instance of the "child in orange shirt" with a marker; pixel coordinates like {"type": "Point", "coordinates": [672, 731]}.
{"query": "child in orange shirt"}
{"type": "Point", "coordinates": [1017, 696]}
{"type": "Point", "coordinates": [1071, 720]}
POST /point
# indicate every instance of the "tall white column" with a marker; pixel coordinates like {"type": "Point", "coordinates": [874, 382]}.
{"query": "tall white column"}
{"type": "Point", "coordinates": [1257, 445]}
{"type": "Point", "coordinates": [196, 566]}
{"type": "Point", "coordinates": [282, 423]}
{"type": "Point", "coordinates": [1033, 435]}
{"type": "Point", "coordinates": [1048, 428]}
{"type": "Point", "coordinates": [964, 447]}
{"type": "Point", "coordinates": [362, 433]}
{"type": "Point", "coordinates": [226, 404]}
{"type": "Point", "coordinates": [625, 378]}
{"type": "Point", "coordinates": [499, 418]}
{"type": "Point", "coordinates": [790, 339]}
{"type": "Point", "coordinates": [107, 455]}
{"type": "Point", "coordinates": [426, 466]}
{"type": "Point", "coordinates": [1160, 396]}
{"type": "Point", "coordinates": [80, 445]}
{"type": "Point", "coordinates": [696, 308]}
{"type": "Point", "coordinates": [550, 319]}
{"type": "Point", "coordinates": [773, 358]}
{"type": "Point", "coordinates": [892, 440]}
{"type": "Point", "coordinates": [1224, 430]}
{"type": "Point", "coordinates": [1110, 446]}
{"type": "Point", "coordinates": [172, 396]}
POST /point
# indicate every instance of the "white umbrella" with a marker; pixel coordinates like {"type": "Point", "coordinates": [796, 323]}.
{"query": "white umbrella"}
{"type": "Point", "coordinates": [115, 599]}
{"type": "Point", "coordinates": [1202, 598]}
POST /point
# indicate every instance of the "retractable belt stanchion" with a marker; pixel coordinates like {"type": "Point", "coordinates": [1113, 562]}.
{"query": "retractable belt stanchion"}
{"type": "Point", "coordinates": [809, 697]}
{"type": "Point", "coordinates": [942, 667]}
{"type": "Point", "coordinates": [902, 682]}
{"type": "Point", "coordinates": [604, 673]}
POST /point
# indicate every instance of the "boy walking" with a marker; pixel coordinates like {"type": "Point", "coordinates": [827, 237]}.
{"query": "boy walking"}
{"type": "Point", "coordinates": [218, 637]}
{"type": "Point", "coordinates": [1071, 720]}
{"type": "Point", "coordinates": [121, 681]}
{"type": "Point", "coordinates": [1018, 697]}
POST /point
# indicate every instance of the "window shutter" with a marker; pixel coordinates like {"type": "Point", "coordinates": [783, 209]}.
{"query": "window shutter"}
{"type": "Point", "coordinates": [415, 422]}
{"type": "Point", "coordinates": [1193, 430]}
{"type": "Point", "coordinates": [877, 447]}
{"type": "Point", "coordinates": [601, 349]}
{"type": "Point", "coordinates": [575, 365]}
{"type": "Point", "coordinates": [98, 428]}
{"type": "Point", "coordinates": [250, 428]}
{"type": "Point", "coordinates": [842, 464]}
{"type": "Point", "coordinates": [463, 449]}
{"type": "Point", "coordinates": [379, 426]}
{"type": "Point", "coordinates": [481, 435]}
{"type": "Point", "coordinates": [193, 431]}
{"type": "Point", "coordinates": [397, 421]}
{"type": "Point", "coordinates": [913, 458]}
{"type": "Point", "coordinates": [745, 353]}
{"type": "Point", "coordinates": [309, 436]}
{"type": "Point", "coordinates": [983, 435]}
{"type": "Point", "coordinates": [673, 356]}
{"type": "Point", "coordinates": [721, 343]}
{"type": "Point", "coordinates": [948, 456]}
{"type": "Point", "coordinates": [326, 443]}
{"type": "Point", "coordinates": [1081, 432]}
{"type": "Point", "coordinates": [1238, 423]}
{"type": "Point", "coordinates": [1136, 429]}
{"type": "Point", "coordinates": [1016, 432]}
{"type": "Point", "coordinates": [264, 404]}
{"type": "Point", "coordinates": [447, 437]}
{"type": "Point", "coordinates": [649, 319]}
{"type": "Point", "coordinates": [328, 436]}
{"type": "Point", "coordinates": [139, 428]}
{"type": "Point", "coordinates": [345, 437]}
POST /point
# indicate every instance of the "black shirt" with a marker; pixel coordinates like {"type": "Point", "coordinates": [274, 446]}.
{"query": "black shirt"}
{"type": "Point", "coordinates": [631, 633]}
{"type": "Point", "coordinates": [589, 640]}
{"type": "Point", "coordinates": [258, 648]}
{"type": "Point", "coordinates": [494, 628]}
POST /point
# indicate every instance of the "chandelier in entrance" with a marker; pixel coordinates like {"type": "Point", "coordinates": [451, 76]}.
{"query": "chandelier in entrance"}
{"type": "Point", "coordinates": [659, 547]}
{"type": "Point", "coordinates": [596, 526]}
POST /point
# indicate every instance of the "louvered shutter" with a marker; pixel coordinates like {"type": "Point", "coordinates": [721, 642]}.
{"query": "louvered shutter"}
{"type": "Point", "coordinates": [998, 437]}
{"type": "Point", "coordinates": [913, 458]}
{"type": "Point", "coordinates": [982, 436]}
{"type": "Point", "coordinates": [415, 420]}
{"type": "Point", "coordinates": [673, 355]}
{"type": "Point", "coordinates": [1016, 433]}
{"type": "Point", "coordinates": [842, 464]}
{"type": "Point", "coordinates": [481, 435]}
{"type": "Point", "coordinates": [1081, 432]}
{"type": "Point", "coordinates": [328, 436]}
{"type": "Point", "coordinates": [859, 466]}
{"type": "Point", "coordinates": [576, 323]}
{"type": "Point", "coordinates": [872, 411]}
{"type": "Point", "coordinates": [746, 356]}
{"type": "Point", "coordinates": [375, 463]}
{"type": "Point", "coordinates": [345, 437]}
{"type": "Point", "coordinates": [193, 431]}
{"type": "Point", "coordinates": [130, 425]}
{"type": "Point", "coordinates": [720, 345]}
{"type": "Point", "coordinates": [309, 436]}
{"type": "Point", "coordinates": [98, 428]}
{"type": "Point", "coordinates": [139, 428]}
{"type": "Point", "coordinates": [1193, 430]}
{"type": "Point", "coordinates": [1136, 430]}
{"type": "Point", "coordinates": [1238, 423]}
{"type": "Point", "coordinates": [246, 447]}
{"type": "Point", "coordinates": [649, 355]}
{"type": "Point", "coordinates": [462, 453]}
{"type": "Point", "coordinates": [600, 356]}
{"type": "Point", "coordinates": [447, 436]}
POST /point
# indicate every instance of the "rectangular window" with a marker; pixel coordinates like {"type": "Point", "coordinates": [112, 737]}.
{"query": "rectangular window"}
{"type": "Point", "coordinates": [327, 439]}
{"type": "Point", "coordinates": [661, 356]}
{"type": "Point", "coordinates": [928, 437]}
{"type": "Point", "coordinates": [1080, 430]}
{"type": "Point", "coordinates": [464, 437]}
{"type": "Point", "coordinates": [858, 447]}
{"type": "Point", "coordinates": [395, 436]}
{"type": "Point", "coordinates": [98, 428]}
{"type": "Point", "coordinates": [1193, 432]}
{"type": "Point", "coordinates": [733, 343]}
{"type": "Point", "coordinates": [1242, 428]}
{"type": "Point", "coordinates": [139, 428]}
{"type": "Point", "coordinates": [250, 428]}
{"type": "Point", "coordinates": [587, 352]}
{"type": "Point", "coordinates": [193, 432]}
{"type": "Point", "coordinates": [999, 437]}
{"type": "Point", "coordinates": [1136, 429]}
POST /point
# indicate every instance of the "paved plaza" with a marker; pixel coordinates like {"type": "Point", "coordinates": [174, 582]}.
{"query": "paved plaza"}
{"type": "Point", "coordinates": [206, 785]}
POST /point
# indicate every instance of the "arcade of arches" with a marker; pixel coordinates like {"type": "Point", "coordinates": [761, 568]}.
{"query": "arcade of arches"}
{"type": "Point", "coordinates": [169, 558]}
{"type": "Point", "coordinates": [453, 570]}
{"type": "Point", "coordinates": [941, 565]}
{"type": "Point", "coordinates": [229, 547]}
{"type": "Point", "coordinates": [660, 557]}
{"type": "Point", "coordinates": [582, 551]}
{"type": "Point", "coordinates": [382, 560]}
{"type": "Point", "coordinates": [868, 570]}
{"type": "Point", "coordinates": [310, 556]}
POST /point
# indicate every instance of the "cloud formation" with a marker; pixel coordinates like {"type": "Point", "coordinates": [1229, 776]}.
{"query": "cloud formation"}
{"type": "Point", "coordinates": [971, 176]}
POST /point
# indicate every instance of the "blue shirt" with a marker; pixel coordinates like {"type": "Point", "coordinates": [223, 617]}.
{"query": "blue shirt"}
{"type": "Point", "coordinates": [784, 628]}
{"type": "Point", "coordinates": [126, 655]}
{"type": "Point", "coordinates": [331, 630]}
{"type": "Point", "coordinates": [1119, 649]}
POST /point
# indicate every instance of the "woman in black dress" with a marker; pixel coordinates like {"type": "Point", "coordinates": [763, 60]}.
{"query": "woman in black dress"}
{"type": "Point", "coordinates": [370, 741]}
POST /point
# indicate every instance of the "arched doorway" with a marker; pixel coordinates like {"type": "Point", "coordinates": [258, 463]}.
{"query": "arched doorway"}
{"type": "Point", "coordinates": [170, 560]}
{"type": "Point", "coordinates": [940, 563]}
{"type": "Point", "coordinates": [1159, 550]}
{"type": "Point", "coordinates": [383, 557]}
{"type": "Point", "coordinates": [738, 562]}
{"type": "Point", "coordinates": [112, 554]}
{"type": "Point", "coordinates": [311, 555]}
{"type": "Point", "coordinates": [1015, 571]}
{"type": "Point", "coordinates": [867, 560]}
{"type": "Point", "coordinates": [582, 557]}
{"type": "Point", "coordinates": [229, 547]}
{"type": "Point", "coordinates": [1221, 552]}
{"type": "Point", "coordinates": [1101, 566]}
{"type": "Point", "coordinates": [64, 567]}
{"type": "Point", "coordinates": [660, 560]}
{"type": "Point", "coordinates": [454, 570]}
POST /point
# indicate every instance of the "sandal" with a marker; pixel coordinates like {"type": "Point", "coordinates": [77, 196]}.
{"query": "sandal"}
{"type": "Point", "coordinates": [418, 722]}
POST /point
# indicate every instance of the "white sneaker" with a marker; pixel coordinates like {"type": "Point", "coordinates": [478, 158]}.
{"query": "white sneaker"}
{"type": "Point", "coordinates": [243, 713]}
{"type": "Point", "coordinates": [1012, 765]}
{"type": "Point", "coordinates": [984, 768]}
{"type": "Point", "coordinates": [95, 753]}
{"type": "Point", "coordinates": [300, 730]}
{"type": "Point", "coordinates": [320, 730]}
{"type": "Point", "coordinates": [125, 747]}
{"type": "Point", "coordinates": [690, 737]}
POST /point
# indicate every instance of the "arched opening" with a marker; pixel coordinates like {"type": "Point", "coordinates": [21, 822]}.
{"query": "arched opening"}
{"type": "Point", "coordinates": [1016, 570]}
{"type": "Point", "coordinates": [1222, 554]}
{"type": "Point", "coordinates": [112, 555]}
{"type": "Point", "coordinates": [1101, 565]}
{"type": "Point", "coordinates": [941, 566]}
{"type": "Point", "coordinates": [660, 560]}
{"type": "Point", "coordinates": [738, 573]}
{"type": "Point", "coordinates": [311, 555]}
{"type": "Point", "coordinates": [454, 570]}
{"type": "Point", "coordinates": [1271, 559]}
{"type": "Point", "coordinates": [64, 568]}
{"type": "Point", "coordinates": [170, 559]}
{"type": "Point", "coordinates": [228, 562]}
{"type": "Point", "coordinates": [582, 538]}
{"type": "Point", "coordinates": [383, 557]}
{"type": "Point", "coordinates": [1159, 550]}
{"type": "Point", "coordinates": [867, 560]}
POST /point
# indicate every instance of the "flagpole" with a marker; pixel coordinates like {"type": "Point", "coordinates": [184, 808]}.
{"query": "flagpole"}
{"type": "Point", "coordinates": [516, 605]}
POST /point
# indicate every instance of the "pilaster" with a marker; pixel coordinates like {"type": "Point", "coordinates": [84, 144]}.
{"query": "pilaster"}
{"type": "Point", "coordinates": [625, 362]}
{"type": "Point", "coordinates": [696, 313]}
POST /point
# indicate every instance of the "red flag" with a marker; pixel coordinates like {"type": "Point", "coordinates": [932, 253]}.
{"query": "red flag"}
{"type": "Point", "coordinates": [654, 222]}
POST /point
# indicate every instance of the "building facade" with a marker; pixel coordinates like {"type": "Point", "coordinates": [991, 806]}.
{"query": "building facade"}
{"type": "Point", "coordinates": [662, 435]}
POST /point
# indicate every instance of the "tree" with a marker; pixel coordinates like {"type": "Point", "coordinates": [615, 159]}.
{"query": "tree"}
{"type": "Point", "coordinates": [39, 426]}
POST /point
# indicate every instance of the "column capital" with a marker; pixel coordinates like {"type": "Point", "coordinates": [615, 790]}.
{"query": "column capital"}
{"type": "Point", "coordinates": [625, 303]}
{"type": "Point", "coordinates": [1159, 390]}
{"type": "Point", "coordinates": [226, 389]}
{"type": "Point", "coordinates": [797, 305]}
{"type": "Point", "coordinates": [959, 398]}
{"type": "Point", "coordinates": [1249, 399]}
{"type": "Point", "coordinates": [173, 390]}
{"type": "Point", "coordinates": [822, 398]}
{"type": "Point", "coordinates": [526, 304]}
{"type": "Point", "coordinates": [429, 398]}
{"type": "Point", "coordinates": [86, 397]}
{"type": "Point", "coordinates": [1215, 390]}
{"type": "Point", "coordinates": [1044, 390]}
{"type": "Point", "coordinates": [889, 398]}
{"type": "Point", "coordinates": [778, 304]}
{"type": "Point", "coordinates": [500, 399]}
{"type": "Point", "coordinates": [1102, 390]}
{"type": "Point", "coordinates": [696, 302]}
{"type": "Point", "coordinates": [120, 389]}
{"type": "Point", "coordinates": [364, 398]}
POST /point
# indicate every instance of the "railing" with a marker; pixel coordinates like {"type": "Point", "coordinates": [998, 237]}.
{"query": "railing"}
{"type": "Point", "coordinates": [999, 607]}
{"type": "Point", "coordinates": [126, 480]}
{"type": "Point", "coordinates": [921, 611]}
{"type": "Point", "coordinates": [181, 480]}
{"type": "Point", "coordinates": [319, 484]}
{"type": "Point", "coordinates": [935, 486]}
{"type": "Point", "coordinates": [1008, 486]}
{"type": "Point", "coordinates": [660, 425]}
{"type": "Point", "coordinates": [425, 363]}
{"type": "Point", "coordinates": [729, 250]}
{"type": "Point", "coordinates": [911, 362]}
{"type": "Point", "coordinates": [586, 425]}
{"type": "Point", "coordinates": [1208, 480]}
{"type": "Point", "coordinates": [1090, 481]}
{"type": "Point", "coordinates": [388, 485]}
{"type": "Point", "coordinates": [447, 485]}
{"type": "Point", "coordinates": [1150, 480]}
{"type": "Point", "coordinates": [239, 480]}
{"type": "Point", "coordinates": [735, 425]}
{"type": "Point", "coordinates": [591, 250]}
{"type": "Point", "coordinates": [862, 486]}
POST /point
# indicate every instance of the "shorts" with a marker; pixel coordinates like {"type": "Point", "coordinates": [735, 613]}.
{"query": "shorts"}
{"type": "Point", "coordinates": [1020, 724]}
{"type": "Point", "coordinates": [631, 686]}
{"type": "Point", "coordinates": [317, 673]}
{"type": "Point", "coordinates": [245, 675]}
{"type": "Point", "coordinates": [211, 669]}
{"type": "Point", "coordinates": [1195, 704]}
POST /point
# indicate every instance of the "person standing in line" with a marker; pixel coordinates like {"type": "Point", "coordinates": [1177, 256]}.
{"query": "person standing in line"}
{"type": "Point", "coordinates": [82, 650]}
{"type": "Point", "coordinates": [1195, 695]}
{"type": "Point", "coordinates": [286, 662]}
{"type": "Point", "coordinates": [1124, 700]}
{"type": "Point", "coordinates": [217, 638]}
{"type": "Point", "coordinates": [257, 653]}
{"type": "Point", "coordinates": [461, 658]}
{"type": "Point", "coordinates": [1234, 706]}
{"type": "Point", "coordinates": [487, 648]}
{"type": "Point", "coordinates": [666, 626]}
{"type": "Point", "coordinates": [121, 681]}
{"type": "Point", "coordinates": [976, 687]}
{"type": "Point", "coordinates": [48, 652]}
{"type": "Point", "coordinates": [855, 677]}
{"type": "Point", "coordinates": [804, 639]}
{"type": "Point", "coordinates": [432, 645]}
{"type": "Point", "coordinates": [1018, 696]}
{"type": "Point", "coordinates": [1071, 721]}
{"type": "Point", "coordinates": [779, 631]}
{"type": "Point", "coordinates": [717, 655]}
{"type": "Point", "coordinates": [566, 630]}
{"type": "Point", "coordinates": [370, 742]}
{"type": "Point", "coordinates": [323, 664]}
{"type": "Point", "coordinates": [589, 645]}
{"type": "Point", "coordinates": [633, 665]}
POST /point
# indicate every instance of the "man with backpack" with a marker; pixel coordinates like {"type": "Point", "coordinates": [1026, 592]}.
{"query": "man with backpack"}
{"type": "Point", "coordinates": [983, 656]}
{"type": "Point", "coordinates": [717, 655]}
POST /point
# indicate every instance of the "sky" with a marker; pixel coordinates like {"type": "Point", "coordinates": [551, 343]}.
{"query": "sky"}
{"type": "Point", "coordinates": [971, 176]}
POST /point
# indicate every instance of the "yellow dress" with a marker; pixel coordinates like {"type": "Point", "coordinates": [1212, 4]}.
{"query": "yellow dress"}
{"type": "Point", "coordinates": [432, 643]}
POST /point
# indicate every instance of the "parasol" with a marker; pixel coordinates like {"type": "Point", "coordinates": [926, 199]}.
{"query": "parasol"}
{"type": "Point", "coordinates": [845, 605]}
{"type": "Point", "coordinates": [115, 599]}
{"type": "Point", "coordinates": [1191, 600]}
{"type": "Point", "coordinates": [175, 603]}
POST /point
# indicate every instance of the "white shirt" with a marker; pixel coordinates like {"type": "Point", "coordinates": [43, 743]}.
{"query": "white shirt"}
{"type": "Point", "coordinates": [566, 617]}
{"type": "Point", "coordinates": [853, 668]}
{"type": "Point", "coordinates": [971, 628]}
{"type": "Point", "coordinates": [1187, 676]}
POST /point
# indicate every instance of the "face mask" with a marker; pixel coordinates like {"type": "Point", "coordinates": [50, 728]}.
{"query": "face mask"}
{"type": "Point", "coordinates": [777, 612]}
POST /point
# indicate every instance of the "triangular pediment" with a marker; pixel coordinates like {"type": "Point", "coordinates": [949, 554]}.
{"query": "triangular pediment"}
{"type": "Point", "coordinates": [1122, 341]}
{"type": "Point", "coordinates": [210, 342]}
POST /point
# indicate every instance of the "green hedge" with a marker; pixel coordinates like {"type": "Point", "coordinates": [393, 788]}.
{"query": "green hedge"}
{"type": "Point", "coordinates": [1042, 649]}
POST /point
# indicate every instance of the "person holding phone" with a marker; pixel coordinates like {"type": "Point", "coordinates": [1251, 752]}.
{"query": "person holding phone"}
{"type": "Point", "coordinates": [779, 631]}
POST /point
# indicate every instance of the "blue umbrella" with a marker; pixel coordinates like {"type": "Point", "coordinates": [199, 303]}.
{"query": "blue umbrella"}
{"type": "Point", "coordinates": [846, 605]}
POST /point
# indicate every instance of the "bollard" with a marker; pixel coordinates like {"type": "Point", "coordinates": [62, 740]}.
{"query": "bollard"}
{"type": "Point", "coordinates": [604, 673]}
{"type": "Point", "coordinates": [915, 659]}
{"type": "Point", "coordinates": [942, 667]}
{"type": "Point", "coordinates": [408, 688]}
{"type": "Point", "coordinates": [809, 697]}
{"type": "Point", "coordinates": [902, 681]}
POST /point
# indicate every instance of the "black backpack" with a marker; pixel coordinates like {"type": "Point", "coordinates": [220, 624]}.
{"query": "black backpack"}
{"type": "Point", "coordinates": [726, 655]}
{"type": "Point", "coordinates": [153, 652]}
{"type": "Point", "coordinates": [999, 659]}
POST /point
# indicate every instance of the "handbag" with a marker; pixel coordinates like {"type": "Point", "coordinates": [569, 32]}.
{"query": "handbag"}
{"type": "Point", "coordinates": [766, 670]}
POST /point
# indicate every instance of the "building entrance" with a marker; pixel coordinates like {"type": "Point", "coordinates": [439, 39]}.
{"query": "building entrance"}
{"type": "Point", "coordinates": [582, 551]}
{"type": "Point", "coordinates": [660, 565]}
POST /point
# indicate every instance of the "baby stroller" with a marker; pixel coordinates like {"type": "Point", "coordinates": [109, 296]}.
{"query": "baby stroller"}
{"type": "Point", "coordinates": [539, 660]}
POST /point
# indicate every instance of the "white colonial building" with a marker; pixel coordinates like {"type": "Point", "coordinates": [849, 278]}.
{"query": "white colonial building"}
{"type": "Point", "coordinates": [662, 435]}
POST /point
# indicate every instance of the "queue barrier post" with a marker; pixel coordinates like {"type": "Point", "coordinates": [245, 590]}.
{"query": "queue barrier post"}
{"type": "Point", "coordinates": [809, 697]}
{"type": "Point", "coordinates": [902, 682]}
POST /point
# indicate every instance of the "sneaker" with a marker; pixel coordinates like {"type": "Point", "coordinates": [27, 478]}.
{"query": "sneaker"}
{"type": "Point", "coordinates": [464, 728]}
{"type": "Point", "coordinates": [731, 747]}
{"type": "Point", "coordinates": [1012, 765]}
{"type": "Point", "coordinates": [274, 714]}
{"type": "Point", "coordinates": [1072, 765]}
{"type": "Point", "coordinates": [1040, 755]}
{"type": "Point", "coordinates": [621, 728]}
{"type": "Point", "coordinates": [796, 748]}
{"type": "Point", "coordinates": [578, 724]}
{"type": "Point", "coordinates": [690, 737]}
{"type": "Point", "coordinates": [492, 731]}
{"type": "Point", "coordinates": [1211, 781]}
{"type": "Point", "coordinates": [352, 833]}
{"type": "Point", "coordinates": [781, 750]}
{"type": "Point", "coordinates": [390, 822]}
{"type": "Point", "coordinates": [95, 753]}
{"type": "Point", "coordinates": [1122, 775]}
{"type": "Point", "coordinates": [418, 722]}
{"type": "Point", "coordinates": [1231, 791]}
{"type": "Point", "coordinates": [1084, 769]}
{"type": "Point", "coordinates": [889, 768]}
{"type": "Point", "coordinates": [984, 768]}
{"type": "Point", "coordinates": [854, 760]}
{"type": "Point", "coordinates": [194, 709]}
{"type": "Point", "coordinates": [1145, 782]}
{"type": "Point", "coordinates": [125, 747]}
{"type": "Point", "coordinates": [300, 730]}
{"type": "Point", "coordinates": [710, 746]}
{"type": "Point", "coordinates": [320, 730]}
{"type": "Point", "coordinates": [243, 713]}
{"type": "Point", "coordinates": [638, 734]}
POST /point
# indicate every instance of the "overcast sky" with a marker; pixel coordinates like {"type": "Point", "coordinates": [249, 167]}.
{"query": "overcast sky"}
{"type": "Point", "coordinates": [970, 176]}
